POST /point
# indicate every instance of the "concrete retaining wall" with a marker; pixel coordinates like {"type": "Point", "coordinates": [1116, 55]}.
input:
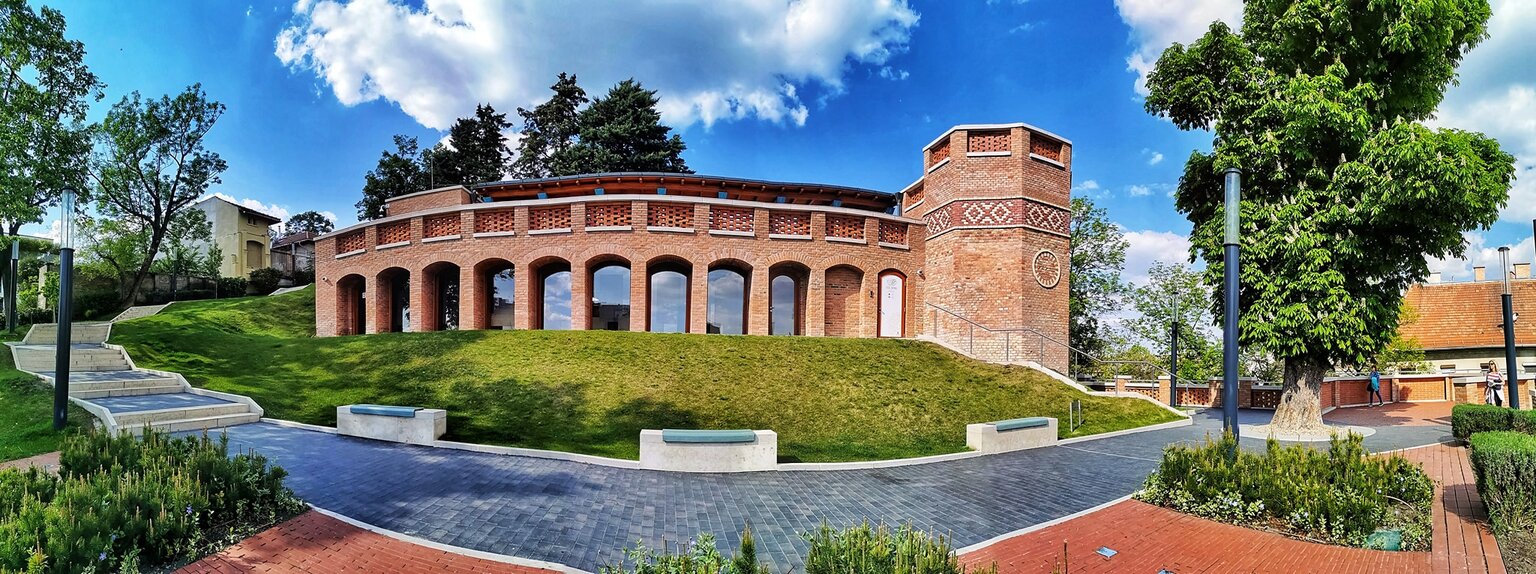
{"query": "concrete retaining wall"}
{"type": "Point", "coordinates": [424, 429]}
{"type": "Point", "coordinates": [760, 454]}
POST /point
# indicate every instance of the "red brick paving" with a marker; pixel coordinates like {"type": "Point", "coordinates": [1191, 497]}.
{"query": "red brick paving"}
{"type": "Point", "coordinates": [1394, 414]}
{"type": "Point", "coordinates": [47, 461]}
{"type": "Point", "coordinates": [1149, 538]}
{"type": "Point", "coordinates": [315, 543]}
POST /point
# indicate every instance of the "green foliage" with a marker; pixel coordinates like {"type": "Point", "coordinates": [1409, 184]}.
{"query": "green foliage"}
{"type": "Point", "coordinates": [1340, 496]}
{"type": "Point", "coordinates": [1174, 292]}
{"type": "Point", "coordinates": [622, 132]}
{"type": "Point", "coordinates": [476, 150]}
{"type": "Point", "coordinates": [189, 248]}
{"type": "Point", "coordinates": [118, 500]}
{"type": "Point", "coordinates": [1403, 354]}
{"type": "Point", "coordinates": [45, 92]}
{"type": "Point", "coordinates": [1523, 421]}
{"type": "Point", "coordinates": [1345, 192]}
{"type": "Point", "coordinates": [880, 550]}
{"type": "Point", "coordinates": [1098, 256]}
{"type": "Point", "coordinates": [1470, 419]}
{"type": "Point", "coordinates": [550, 129]}
{"type": "Point", "coordinates": [264, 280]}
{"type": "Point", "coordinates": [399, 172]}
{"type": "Point", "coordinates": [701, 557]}
{"type": "Point", "coordinates": [26, 409]}
{"type": "Point", "coordinates": [309, 221]}
{"type": "Point", "coordinates": [233, 286]}
{"type": "Point", "coordinates": [1505, 463]}
{"type": "Point", "coordinates": [151, 166]}
{"type": "Point", "coordinates": [579, 391]}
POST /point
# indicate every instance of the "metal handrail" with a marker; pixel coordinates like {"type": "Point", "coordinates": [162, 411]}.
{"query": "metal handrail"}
{"type": "Point", "coordinates": [1008, 344]}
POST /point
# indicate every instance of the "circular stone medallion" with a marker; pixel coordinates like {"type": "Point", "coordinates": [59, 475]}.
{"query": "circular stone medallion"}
{"type": "Point", "coordinates": [1047, 269]}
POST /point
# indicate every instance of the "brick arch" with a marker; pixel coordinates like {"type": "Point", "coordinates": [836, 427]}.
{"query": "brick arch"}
{"type": "Point", "coordinates": [788, 285]}
{"type": "Point", "coordinates": [351, 305]}
{"type": "Point", "coordinates": [663, 263]}
{"type": "Point", "coordinates": [439, 279]}
{"type": "Point", "coordinates": [584, 293]}
{"type": "Point", "coordinates": [746, 257]}
{"type": "Point", "coordinates": [390, 306]}
{"type": "Point", "coordinates": [479, 297]}
{"type": "Point", "coordinates": [540, 268]}
{"type": "Point", "coordinates": [845, 310]}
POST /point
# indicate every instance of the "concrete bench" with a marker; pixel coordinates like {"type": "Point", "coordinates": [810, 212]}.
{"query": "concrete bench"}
{"type": "Point", "coordinates": [1012, 434]}
{"type": "Point", "coordinates": [709, 450]}
{"type": "Point", "coordinates": [412, 425]}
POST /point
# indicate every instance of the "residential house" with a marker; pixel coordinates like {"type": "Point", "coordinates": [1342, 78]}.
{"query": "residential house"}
{"type": "Point", "coordinates": [240, 233]}
{"type": "Point", "coordinates": [1460, 324]}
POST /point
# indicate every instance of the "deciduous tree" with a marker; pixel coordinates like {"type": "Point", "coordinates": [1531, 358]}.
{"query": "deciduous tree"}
{"type": "Point", "coordinates": [399, 172]}
{"type": "Point", "coordinates": [152, 164]}
{"type": "Point", "coordinates": [1173, 291]}
{"type": "Point", "coordinates": [1098, 256]}
{"type": "Point", "coordinates": [1346, 191]}
{"type": "Point", "coordinates": [309, 221]}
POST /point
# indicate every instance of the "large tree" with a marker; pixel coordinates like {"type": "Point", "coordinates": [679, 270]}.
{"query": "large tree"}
{"type": "Point", "coordinates": [152, 165]}
{"type": "Point", "coordinates": [1098, 256]}
{"type": "Point", "coordinates": [399, 172]}
{"type": "Point", "coordinates": [189, 247]}
{"type": "Point", "coordinates": [1175, 292]}
{"type": "Point", "coordinates": [1345, 190]}
{"type": "Point", "coordinates": [476, 150]}
{"type": "Point", "coordinates": [310, 222]}
{"type": "Point", "coordinates": [622, 132]}
{"type": "Point", "coordinates": [45, 90]}
{"type": "Point", "coordinates": [549, 129]}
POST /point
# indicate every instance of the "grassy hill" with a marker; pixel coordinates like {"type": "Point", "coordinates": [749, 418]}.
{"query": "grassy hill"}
{"type": "Point", "coordinates": [592, 391]}
{"type": "Point", "coordinates": [26, 410]}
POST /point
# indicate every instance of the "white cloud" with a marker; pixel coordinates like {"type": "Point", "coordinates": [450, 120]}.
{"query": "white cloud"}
{"type": "Point", "coordinates": [329, 215]}
{"type": "Point", "coordinates": [1088, 185]}
{"type": "Point", "coordinates": [894, 74]}
{"type": "Point", "coordinates": [710, 61]}
{"type": "Point", "coordinates": [1157, 24]}
{"type": "Point", "coordinates": [272, 209]}
{"type": "Point", "coordinates": [1025, 27]}
{"type": "Point", "coordinates": [1139, 191]}
{"type": "Point", "coordinates": [1147, 247]}
{"type": "Point", "coordinates": [1153, 157]}
{"type": "Point", "coordinates": [1481, 254]}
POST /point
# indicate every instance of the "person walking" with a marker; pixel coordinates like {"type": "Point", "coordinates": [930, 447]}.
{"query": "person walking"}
{"type": "Point", "coordinates": [1375, 389]}
{"type": "Point", "coordinates": [1495, 385]}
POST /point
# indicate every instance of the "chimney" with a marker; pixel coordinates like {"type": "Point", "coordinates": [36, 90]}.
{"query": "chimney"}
{"type": "Point", "coordinates": [1434, 277]}
{"type": "Point", "coordinates": [1479, 273]}
{"type": "Point", "coordinates": [1522, 271]}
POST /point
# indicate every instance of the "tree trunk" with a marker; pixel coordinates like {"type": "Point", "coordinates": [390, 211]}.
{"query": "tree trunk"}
{"type": "Point", "coordinates": [1301, 407]}
{"type": "Point", "coordinates": [155, 238]}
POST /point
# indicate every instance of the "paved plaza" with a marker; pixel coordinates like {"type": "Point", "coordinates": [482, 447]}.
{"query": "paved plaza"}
{"type": "Point", "coordinates": [583, 515]}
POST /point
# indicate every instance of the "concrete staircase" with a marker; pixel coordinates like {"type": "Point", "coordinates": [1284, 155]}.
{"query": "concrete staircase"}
{"type": "Point", "coordinates": [138, 311]}
{"type": "Point", "coordinates": [104, 381]}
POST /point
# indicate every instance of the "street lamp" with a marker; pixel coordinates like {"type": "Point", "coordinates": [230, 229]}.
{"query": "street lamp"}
{"type": "Point", "coordinates": [62, 343]}
{"type": "Point", "coordinates": [1229, 323]}
{"type": "Point", "coordinates": [1508, 299]}
{"type": "Point", "coordinates": [1173, 353]}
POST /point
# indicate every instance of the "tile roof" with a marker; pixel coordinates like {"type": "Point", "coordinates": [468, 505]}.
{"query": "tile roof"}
{"type": "Point", "coordinates": [1467, 315]}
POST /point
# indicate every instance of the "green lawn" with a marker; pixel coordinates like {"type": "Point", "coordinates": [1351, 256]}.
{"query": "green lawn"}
{"type": "Point", "coordinates": [592, 391]}
{"type": "Point", "coordinates": [26, 410]}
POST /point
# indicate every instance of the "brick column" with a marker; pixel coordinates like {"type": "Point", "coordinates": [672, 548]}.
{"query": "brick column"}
{"type": "Point", "coordinates": [758, 300]}
{"type": "Point", "coordinates": [639, 219]}
{"type": "Point", "coordinates": [816, 303]}
{"type": "Point", "coordinates": [1244, 393]}
{"type": "Point", "coordinates": [525, 284]}
{"type": "Point", "coordinates": [698, 291]}
{"type": "Point", "coordinates": [1120, 381]}
{"type": "Point", "coordinates": [581, 296]}
{"type": "Point", "coordinates": [639, 299]}
{"type": "Point", "coordinates": [472, 309]}
{"type": "Point", "coordinates": [419, 300]}
{"type": "Point", "coordinates": [1165, 389]}
{"type": "Point", "coordinates": [372, 320]}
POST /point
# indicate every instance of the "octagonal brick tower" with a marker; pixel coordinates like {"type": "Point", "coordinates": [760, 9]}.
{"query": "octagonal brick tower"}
{"type": "Point", "coordinates": [996, 199]}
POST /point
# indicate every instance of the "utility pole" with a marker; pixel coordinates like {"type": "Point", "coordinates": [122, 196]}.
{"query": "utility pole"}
{"type": "Point", "coordinates": [1173, 353]}
{"type": "Point", "coordinates": [1229, 323]}
{"type": "Point", "coordinates": [1512, 365]}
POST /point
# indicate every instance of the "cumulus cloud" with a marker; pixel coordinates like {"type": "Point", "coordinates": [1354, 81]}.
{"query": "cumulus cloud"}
{"type": "Point", "coordinates": [1481, 253]}
{"type": "Point", "coordinates": [893, 74]}
{"type": "Point", "coordinates": [1157, 24]}
{"type": "Point", "coordinates": [1138, 191]}
{"type": "Point", "coordinates": [710, 61]}
{"type": "Point", "coordinates": [1147, 247]}
{"type": "Point", "coordinates": [1153, 157]}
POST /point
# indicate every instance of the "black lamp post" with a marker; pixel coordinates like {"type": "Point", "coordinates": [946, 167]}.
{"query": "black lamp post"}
{"type": "Point", "coordinates": [1229, 323]}
{"type": "Point", "coordinates": [62, 343]}
{"type": "Point", "coordinates": [1173, 353]}
{"type": "Point", "coordinates": [1512, 366]}
{"type": "Point", "coordinates": [11, 284]}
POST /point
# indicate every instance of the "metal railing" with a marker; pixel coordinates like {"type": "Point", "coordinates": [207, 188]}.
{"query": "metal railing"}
{"type": "Point", "coordinates": [1012, 345]}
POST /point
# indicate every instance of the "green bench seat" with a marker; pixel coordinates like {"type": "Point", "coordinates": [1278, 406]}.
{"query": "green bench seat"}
{"type": "Point", "coordinates": [1024, 423]}
{"type": "Point", "coordinates": [385, 411]}
{"type": "Point", "coordinates": [707, 436]}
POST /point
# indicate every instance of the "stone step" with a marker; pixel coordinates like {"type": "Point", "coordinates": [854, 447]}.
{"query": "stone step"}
{"type": "Point", "coordinates": [37, 358]}
{"type": "Point", "coordinates": [140, 418]}
{"type": "Point", "coordinates": [109, 380]}
{"type": "Point", "coordinates": [48, 333]}
{"type": "Point", "coordinates": [194, 424]}
{"type": "Point", "coordinates": [125, 392]}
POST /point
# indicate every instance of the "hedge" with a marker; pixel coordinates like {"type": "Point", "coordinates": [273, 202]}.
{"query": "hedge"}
{"type": "Point", "coordinates": [1469, 419]}
{"type": "Point", "coordinates": [1505, 464]}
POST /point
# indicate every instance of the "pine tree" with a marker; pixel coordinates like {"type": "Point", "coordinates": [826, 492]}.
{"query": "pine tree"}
{"type": "Point", "coordinates": [399, 172]}
{"type": "Point", "coordinates": [622, 132]}
{"type": "Point", "coordinates": [549, 129]}
{"type": "Point", "coordinates": [476, 150]}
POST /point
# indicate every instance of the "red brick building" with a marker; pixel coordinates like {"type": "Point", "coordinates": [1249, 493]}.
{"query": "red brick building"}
{"type": "Point", "coordinates": [1460, 324]}
{"type": "Point", "coordinates": [974, 253]}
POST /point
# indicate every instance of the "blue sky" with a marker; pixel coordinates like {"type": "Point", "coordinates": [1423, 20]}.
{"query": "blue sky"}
{"type": "Point", "coordinates": [833, 91]}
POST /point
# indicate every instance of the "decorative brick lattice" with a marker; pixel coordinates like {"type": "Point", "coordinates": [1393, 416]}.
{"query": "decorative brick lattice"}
{"type": "Point", "coordinates": [608, 215]}
{"type": "Point", "coordinates": [669, 215]}
{"type": "Point", "coordinates": [550, 218]}
{"type": "Point", "coordinates": [845, 227]}
{"type": "Point", "coordinates": [501, 221]}
{"type": "Point", "coordinates": [1265, 398]}
{"type": "Point", "coordinates": [351, 242]}
{"type": "Point", "coordinates": [440, 226]}
{"type": "Point", "coordinates": [1054, 219]}
{"type": "Point", "coordinates": [914, 197]}
{"type": "Point", "coordinates": [730, 219]}
{"type": "Point", "coordinates": [893, 232]}
{"type": "Point", "coordinates": [398, 232]}
{"type": "Point", "coordinates": [988, 142]}
{"type": "Point", "coordinates": [938, 153]}
{"type": "Point", "coordinates": [1048, 149]}
{"type": "Point", "coordinates": [789, 223]}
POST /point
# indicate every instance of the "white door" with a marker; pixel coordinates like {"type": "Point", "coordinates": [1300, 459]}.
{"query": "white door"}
{"type": "Point", "coordinates": [892, 305]}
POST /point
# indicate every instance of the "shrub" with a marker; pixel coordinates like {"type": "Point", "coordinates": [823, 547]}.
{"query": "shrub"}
{"type": "Point", "coordinates": [1469, 419]}
{"type": "Point", "coordinates": [303, 276]}
{"type": "Point", "coordinates": [96, 304]}
{"type": "Point", "coordinates": [1505, 463]}
{"type": "Point", "coordinates": [264, 280]}
{"type": "Point", "coordinates": [233, 286]}
{"type": "Point", "coordinates": [1339, 496]}
{"type": "Point", "coordinates": [701, 558]}
{"type": "Point", "coordinates": [1523, 421]}
{"type": "Point", "coordinates": [879, 550]}
{"type": "Point", "coordinates": [119, 500]}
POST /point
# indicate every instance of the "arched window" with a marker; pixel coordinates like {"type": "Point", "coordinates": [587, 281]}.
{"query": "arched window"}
{"type": "Point", "coordinates": [783, 310]}
{"type": "Point", "coordinates": [727, 310]}
{"type": "Point", "coordinates": [443, 297]}
{"type": "Point", "coordinates": [395, 295]}
{"type": "Point", "coordinates": [610, 298]}
{"type": "Point", "coordinates": [351, 305]}
{"type": "Point", "coordinates": [554, 296]}
{"type": "Point", "coordinates": [668, 296]}
{"type": "Point", "coordinates": [496, 285]}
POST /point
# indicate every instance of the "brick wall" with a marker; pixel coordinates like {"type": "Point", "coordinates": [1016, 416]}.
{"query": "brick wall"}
{"type": "Point", "coordinates": [412, 203]}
